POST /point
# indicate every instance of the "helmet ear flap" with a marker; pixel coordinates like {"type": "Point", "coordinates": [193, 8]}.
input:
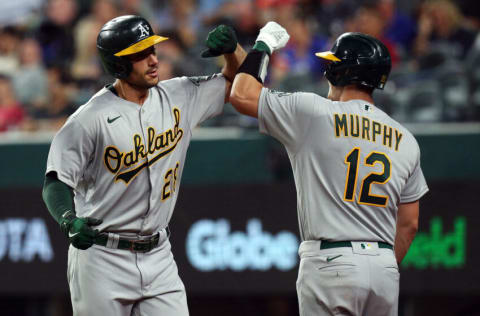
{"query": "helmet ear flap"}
{"type": "Point", "coordinates": [123, 67]}
{"type": "Point", "coordinates": [331, 74]}
{"type": "Point", "coordinates": [331, 78]}
{"type": "Point", "coordinates": [336, 74]}
{"type": "Point", "coordinates": [118, 67]}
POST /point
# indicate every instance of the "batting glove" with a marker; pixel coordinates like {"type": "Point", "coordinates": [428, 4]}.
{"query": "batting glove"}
{"type": "Point", "coordinates": [273, 35]}
{"type": "Point", "coordinates": [79, 231]}
{"type": "Point", "coordinates": [221, 40]}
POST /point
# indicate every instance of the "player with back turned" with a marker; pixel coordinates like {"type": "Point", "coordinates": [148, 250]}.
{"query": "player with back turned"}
{"type": "Point", "coordinates": [357, 174]}
{"type": "Point", "coordinates": [114, 169]}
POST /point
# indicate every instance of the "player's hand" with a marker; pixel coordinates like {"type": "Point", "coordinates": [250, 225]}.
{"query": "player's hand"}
{"type": "Point", "coordinates": [221, 40]}
{"type": "Point", "coordinates": [273, 35]}
{"type": "Point", "coordinates": [79, 231]}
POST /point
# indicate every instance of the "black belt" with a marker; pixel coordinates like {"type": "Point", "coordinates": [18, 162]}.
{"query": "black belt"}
{"type": "Point", "coordinates": [337, 244]}
{"type": "Point", "coordinates": [136, 245]}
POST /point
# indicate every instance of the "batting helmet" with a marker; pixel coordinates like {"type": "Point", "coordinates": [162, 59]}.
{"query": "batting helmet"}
{"type": "Point", "coordinates": [121, 36]}
{"type": "Point", "coordinates": [357, 58]}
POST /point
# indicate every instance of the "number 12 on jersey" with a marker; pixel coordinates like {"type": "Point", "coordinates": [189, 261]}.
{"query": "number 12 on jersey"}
{"type": "Point", "coordinates": [353, 160]}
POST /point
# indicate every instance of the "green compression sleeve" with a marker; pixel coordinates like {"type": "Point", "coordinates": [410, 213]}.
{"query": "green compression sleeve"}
{"type": "Point", "coordinates": [57, 196]}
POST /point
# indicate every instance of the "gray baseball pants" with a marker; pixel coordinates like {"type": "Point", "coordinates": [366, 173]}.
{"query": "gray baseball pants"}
{"type": "Point", "coordinates": [105, 281]}
{"type": "Point", "coordinates": [359, 280]}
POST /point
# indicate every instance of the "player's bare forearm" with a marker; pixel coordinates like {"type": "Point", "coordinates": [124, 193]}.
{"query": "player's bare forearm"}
{"type": "Point", "coordinates": [248, 84]}
{"type": "Point", "coordinates": [245, 94]}
{"type": "Point", "coordinates": [232, 62]}
{"type": "Point", "coordinates": [407, 226]}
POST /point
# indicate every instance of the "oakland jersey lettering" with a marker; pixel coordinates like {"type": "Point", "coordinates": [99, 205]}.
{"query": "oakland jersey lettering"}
{"type": "Point", "coordinates": [356, 126]}
{"type": "Point", "coordinates": [159, 145]}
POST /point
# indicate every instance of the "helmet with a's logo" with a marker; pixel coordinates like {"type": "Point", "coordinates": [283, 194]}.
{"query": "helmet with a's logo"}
{"type": "Point", "coordinates": [122, 36]}
{"type": "Point", "coordinates": [357, 58]}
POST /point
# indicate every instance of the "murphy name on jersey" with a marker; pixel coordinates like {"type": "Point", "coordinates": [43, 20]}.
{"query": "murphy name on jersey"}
{"type": "Point", "coordinates": [356, 126]}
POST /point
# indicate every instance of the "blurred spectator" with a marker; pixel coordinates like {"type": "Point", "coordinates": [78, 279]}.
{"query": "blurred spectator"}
{"type": "Point", "coordinates": [173, 55]}
{"type": "Point", "coordinates": [66, 45]}
{"type": "Point", "coordinates": [143, 8]}
{"type": "Point", "coordinates": [471, 11]}
{"type": "Point", "coordinates": [30, 80]}
{"type": "Point", "coordinates": [332, 16]}
{"type": "Point", "coordinates": [55, 33]}
{"type": "Point", "coordinates": [181, 17]}
{"type": "Point", "coordinates": [400, 28]}
{"type": "Point", "coordinates": [243, 16]}
{"type": "Point", "coordinates": [11, 111]}
{"type": "Point", "coordinates": [213, 11]}
{"type": "Point", "coordinates": [441, 29]}
{"type": "Point", "coordinates": [9, 40]}
{"type": "Point", "coordinates": [86, 65]}
{"type": "Point", "coordinates": [240, 14]}
{"type": "Point", "coordinates": [369, 20]}
{"type": "Point", "coordinates": [299, 55]}
{"type": "Point", "coordinates": [281, 11]}
{"type": "Point", "coordinates": [17, 11]}
{"type": "Point", "coordinates": [63, 91]}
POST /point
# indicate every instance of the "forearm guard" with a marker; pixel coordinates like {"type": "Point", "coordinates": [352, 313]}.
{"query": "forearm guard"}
{"type": "Point", "coordinates": [58, 198]}
{"type": "Point", "coordinates": [256, 64]}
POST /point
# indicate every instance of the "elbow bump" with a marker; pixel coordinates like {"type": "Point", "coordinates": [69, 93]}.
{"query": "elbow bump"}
{"type": "Point", "coordinates": [233, 98]}
{"type": "Point", "coordinates": [237, 101]}
{"type": "Point", "coordinates": [237, 95]}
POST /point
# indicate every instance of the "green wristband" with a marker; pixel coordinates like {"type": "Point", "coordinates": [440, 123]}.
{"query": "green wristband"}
{"type": "Point", "coordinates": [67, 220]}
{"type": "Point", "coordinates": [262, 47]}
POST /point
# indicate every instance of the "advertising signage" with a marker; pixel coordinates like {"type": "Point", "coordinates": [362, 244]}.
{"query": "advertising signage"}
{"type": "Point", "coordinates": [243, 239]}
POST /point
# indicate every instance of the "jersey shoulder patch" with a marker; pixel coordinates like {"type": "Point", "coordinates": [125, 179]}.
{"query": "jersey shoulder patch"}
{"type": "Point", "coordinates": [196, 80]}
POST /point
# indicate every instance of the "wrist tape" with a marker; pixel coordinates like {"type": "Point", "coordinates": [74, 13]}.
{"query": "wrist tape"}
{"type": "Point", "coordinates": [66, 220]}
{"type": "Point", "coordinates": [255, 64]}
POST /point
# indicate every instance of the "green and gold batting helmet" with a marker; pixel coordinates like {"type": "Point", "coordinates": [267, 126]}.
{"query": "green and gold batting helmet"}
{"type": "Point", "coordinates": [122, 36]}
{"type": "Point", "coordinates": [357, 58]}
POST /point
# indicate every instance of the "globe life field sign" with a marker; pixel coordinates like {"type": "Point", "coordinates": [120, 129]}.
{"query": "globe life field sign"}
{"type": "Point", "coordinates": [439, 249]}
{"type": "Point", "coordinates": [210, 245]}
{"type": "Point", "coordinates": [244, 241]}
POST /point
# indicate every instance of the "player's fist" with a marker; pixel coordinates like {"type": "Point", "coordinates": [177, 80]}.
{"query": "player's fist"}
{"type": "Point", "coordinates": [273, 35]}
{"type": "Point", "coordinates": [221, 40]}
{"type": "Point", "coordinates": [80, 233]}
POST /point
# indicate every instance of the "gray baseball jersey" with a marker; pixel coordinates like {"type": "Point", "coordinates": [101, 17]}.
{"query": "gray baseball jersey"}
{"type": "Point", "coordinates": [352, 164]}
{"type": "Point", "coordinates": [125, 162]}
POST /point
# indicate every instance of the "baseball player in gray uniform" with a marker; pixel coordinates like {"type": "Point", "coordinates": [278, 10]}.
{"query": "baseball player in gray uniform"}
{"type": "Point", "coordinates": [113, 172]}
{"type": "Point", "coordinates": [357, 174]}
